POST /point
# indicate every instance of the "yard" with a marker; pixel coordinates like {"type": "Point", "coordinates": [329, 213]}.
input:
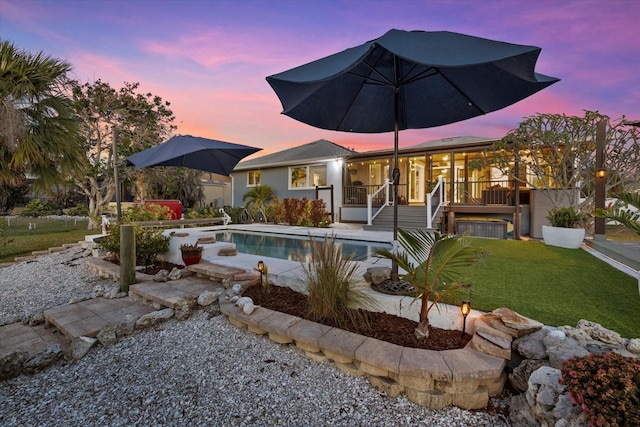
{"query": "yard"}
{"type": "Point", "coordinates": [553, 285]}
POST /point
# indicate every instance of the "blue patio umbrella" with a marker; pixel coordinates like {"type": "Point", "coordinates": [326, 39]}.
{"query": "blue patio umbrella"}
{"type": "Point", "coordinates": [409, 80]}
{"type": "Point", "coordinates": [193, 152]}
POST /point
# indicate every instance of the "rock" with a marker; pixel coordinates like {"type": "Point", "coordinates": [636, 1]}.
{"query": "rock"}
{"type": "Point", "coordinates": [233, 299]}
{"type": "Point", "coordinates": [47, 357]}
{"type": "Point", "coordinates": [600, 333]}
{"type": "Point", "coordinates": [111, 292]}
{"type": "Point", "coordinates": [379, 274]}
{"type": "Point", "coordinates": [107, 335]}
{"type": "Point", "coordinates": [207, 298]}
{"type": "Point", "coordinates": [155, 317]}
{"type": "Point", "coordinates": [520, 412]}
{"type": "Point", "coordinates": [206, 240]}
{"type": "Point", "coordinates": [161, 276]}
{"type": "Point", "coordinates": [80, 346]}
{"type": "Point", "coordinates": [514, 320]}
{"type": "Point", "coordinates": [532, 346]}
{"type": "Point", "coordinates": [580, 336]}
{"type": "Point", "coordinates": [633, 346]}
{"type": "Point", "coordinates": [228, 251]}
{"type": "Point", "coordinates": [36, 319]}
{"type": "Point", "coordinates": [126, 326]}
{"type": "Point", "coordinates": [11, 364]}
{"type": "Point", "coordinates": [240, 302]}
{"type": "Point", "coordinates": [175, 274]}
{"type": "Point", "coordinates": [519, 378]}
{"type": "Point", "coordinates": [80, 297]}
{"type": "Point", "coordinates": [236, 289]}
{"type": "Point", "coordinates": [184, 307]}
{"type": "Point", "coordinates": [493, 335]}
{"type": "Point", "coordinates": [485, 346]}
{"type": "Point", "coordinates": [249, 308]}
{"type": "Point", "coordinates": [542, 393]}
{"type": "Point", "coordinates": [568, 349]}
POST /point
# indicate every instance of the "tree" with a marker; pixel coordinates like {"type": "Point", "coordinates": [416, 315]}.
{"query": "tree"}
{"type": "Point", "coordinates": [258, 197]}
{"type": "Point", "coordinates": [38, 127]}
{"type": "Point", "coordinates": [172, 183]}
{"type": "Point", "coordinates": [142, 121]}
{"type": "Point", "coordinates": [434, 265]}
{"type": "Point", "coordinates": [624, 215]}
{"type": "Point", "coordinates": [558, 154]}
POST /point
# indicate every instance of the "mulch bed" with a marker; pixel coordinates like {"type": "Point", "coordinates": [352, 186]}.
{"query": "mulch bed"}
{"type": "Point", "coordinates": [385, 327]}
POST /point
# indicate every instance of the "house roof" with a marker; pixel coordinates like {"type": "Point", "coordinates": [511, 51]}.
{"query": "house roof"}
{"type": "Point", "coordinates": [433, 145]}
{"type": "Point", "coordinates": [316, 151]}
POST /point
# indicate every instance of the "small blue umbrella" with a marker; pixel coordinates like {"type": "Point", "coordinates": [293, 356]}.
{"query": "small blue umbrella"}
{"type": "Point", "coordinates": [193, 152]}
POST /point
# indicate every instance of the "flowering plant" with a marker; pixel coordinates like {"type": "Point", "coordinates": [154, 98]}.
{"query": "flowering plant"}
{"type": "Point", "coordinates": [606, 387]}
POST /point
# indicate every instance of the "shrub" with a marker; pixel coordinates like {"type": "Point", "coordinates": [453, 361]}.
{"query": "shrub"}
{"type": "Point", "coordinates": [146, 212]}
{"type": "Point", "coordinates": [150, 242]}
{"type": "Point", "coordinates": [294, 210]}
{"type": "Point", "coordinates": [209, 212]}
{"type": "Point", "coordinates": [606, 387]}
{"type": "Point", "coordinates": [276, 211]}
{"type": "Point", "coordinates": [566, 218]}
{"type": "Point", "coordinates": [37, 208]}
{"type": "Point", "coordinates": [318, 213]}
{"type": "Point", "coordinates": [78, 210]}
{"type": "Point", "coordinates": [330, 279]}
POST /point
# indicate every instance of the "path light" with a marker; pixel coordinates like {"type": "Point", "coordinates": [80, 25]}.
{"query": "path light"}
{"type": "Point", "coordinates": [465, 308]}
{"type": "Point", "coordinates": [261, 270]}
{"type": "Point", "coordinates": [601, 173]}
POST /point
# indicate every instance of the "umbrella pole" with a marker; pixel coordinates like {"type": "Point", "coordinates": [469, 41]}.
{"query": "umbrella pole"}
{"type": "Point", "coordinates": [396, 169]}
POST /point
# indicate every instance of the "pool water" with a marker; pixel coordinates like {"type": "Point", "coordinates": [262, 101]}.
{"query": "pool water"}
{"type": "Point", "coordinates": [293, 248]}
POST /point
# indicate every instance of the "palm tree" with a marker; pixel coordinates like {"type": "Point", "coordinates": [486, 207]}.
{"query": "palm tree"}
{"type": "Point", "coordinates": [434, 265]}
{"type": "Point", "coordinates": [258, 196]}
{"type": "Point", "coordinates": [38, 126]}
{"type": "Point", "coordinates": [624, 215]}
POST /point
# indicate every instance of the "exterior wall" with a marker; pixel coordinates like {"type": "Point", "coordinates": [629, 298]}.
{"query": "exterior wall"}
{"type": "Point", "coordinates": [539, 209]}
{"type": "Point", "coordinates": [278, 180]}
{"type": "Point", "coordinates": [217, 193]}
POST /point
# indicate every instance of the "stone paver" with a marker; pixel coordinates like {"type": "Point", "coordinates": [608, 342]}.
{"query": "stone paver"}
{"type": "Point", "coordinates": [380, 353]}
{"type": "Point", "coordinates": [32, 339]}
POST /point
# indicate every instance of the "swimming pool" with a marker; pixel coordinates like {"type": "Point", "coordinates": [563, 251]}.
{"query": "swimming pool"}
{"type": "Point", "coordinates": [293, 248]}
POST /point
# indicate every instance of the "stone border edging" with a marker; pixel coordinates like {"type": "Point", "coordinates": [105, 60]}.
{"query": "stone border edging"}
{"type": "Point", "coordinates": [465, 378]}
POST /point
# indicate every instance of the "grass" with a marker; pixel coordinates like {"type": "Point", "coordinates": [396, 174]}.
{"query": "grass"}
{"type": "Point", "coordinates": [18, 240]}
{"type": "Point", "coordinates": [555, 286]}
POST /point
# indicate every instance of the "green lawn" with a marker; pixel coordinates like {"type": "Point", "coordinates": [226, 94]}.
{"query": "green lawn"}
{"type": "Point", "coordinates": [555, 286]}
{"type": "Point", "coordinates": [16, 239]}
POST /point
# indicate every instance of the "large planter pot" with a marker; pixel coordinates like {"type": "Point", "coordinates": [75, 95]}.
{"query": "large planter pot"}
{"type": "Point", "coordinates": [191, 257]}
{"type": "Point", "coordinates": [570, 238]}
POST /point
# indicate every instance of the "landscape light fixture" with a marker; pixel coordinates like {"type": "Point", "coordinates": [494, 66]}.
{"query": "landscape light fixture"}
{"type": "Point", "coordinates": [601, 173]}
{"type": "Point", "coordinates": [261, 270]}
{"type": "Point", "coordinates": [465, 308]}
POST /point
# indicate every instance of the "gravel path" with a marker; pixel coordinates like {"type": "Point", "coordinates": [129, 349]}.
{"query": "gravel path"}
{"type": "Point", "coordinates": [199, 372]}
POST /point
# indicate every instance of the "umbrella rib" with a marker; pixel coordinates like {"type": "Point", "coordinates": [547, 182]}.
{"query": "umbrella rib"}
{"type": "Point", "coordinates": [455, 86]}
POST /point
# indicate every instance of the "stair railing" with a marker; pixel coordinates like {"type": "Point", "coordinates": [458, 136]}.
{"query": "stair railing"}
{"type": "Point", "coordinates": [435, 197]}
{"type": "Point", "coordinates": [370, 215]}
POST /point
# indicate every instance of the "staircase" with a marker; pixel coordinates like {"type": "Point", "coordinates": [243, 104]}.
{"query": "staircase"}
{"type": "Point", "coordinates": [409, 217]}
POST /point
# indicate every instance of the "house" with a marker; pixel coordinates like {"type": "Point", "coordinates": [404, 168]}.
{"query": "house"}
{"type": "Point", "coordinates": [312, 170]}
{"type": "Point", "coordinates": [443, 184]}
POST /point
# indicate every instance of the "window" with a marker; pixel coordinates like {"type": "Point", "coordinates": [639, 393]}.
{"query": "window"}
{"type": "Point", "coordinates": [254, 178]}
{"type": "Point", "coordinates": [307, 176]}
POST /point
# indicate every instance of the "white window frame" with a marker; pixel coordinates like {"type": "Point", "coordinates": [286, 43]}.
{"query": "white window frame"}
{"type": "Point", "coordinates": [254, 172]}
{"type": "Point", "coordinates": [308, 184]}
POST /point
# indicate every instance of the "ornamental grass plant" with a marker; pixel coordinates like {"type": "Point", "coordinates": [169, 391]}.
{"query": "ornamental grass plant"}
{"type": "Point", "coordinates": [330, 279]}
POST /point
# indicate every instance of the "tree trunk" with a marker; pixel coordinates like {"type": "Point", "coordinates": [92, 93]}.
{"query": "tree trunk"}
{"type": "Point", "coordinates": [422, 330]}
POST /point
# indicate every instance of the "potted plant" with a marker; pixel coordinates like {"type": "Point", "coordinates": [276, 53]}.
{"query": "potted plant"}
{"type": "Point", "coordinates": [191, 254]}
{"type": "Point", "coordinates": [566, 229]}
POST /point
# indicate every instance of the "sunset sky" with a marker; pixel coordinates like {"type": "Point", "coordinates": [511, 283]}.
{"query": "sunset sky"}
{"type": "Point", "coordinates": [210, 58]}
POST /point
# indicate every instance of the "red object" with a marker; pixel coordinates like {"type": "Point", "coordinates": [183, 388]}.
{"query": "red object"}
{"type": "Point", "coordinates": [174, 205]}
